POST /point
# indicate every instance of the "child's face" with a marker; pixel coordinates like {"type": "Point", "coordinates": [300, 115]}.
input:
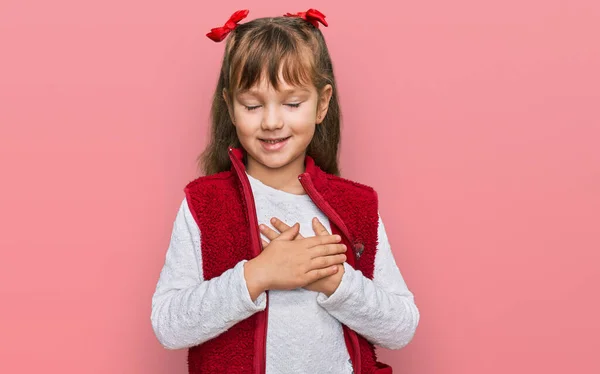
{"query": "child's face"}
{"type": "Point", "coordinates": [276, 127]}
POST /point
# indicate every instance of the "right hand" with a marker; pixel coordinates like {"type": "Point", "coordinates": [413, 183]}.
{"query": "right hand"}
{"type": "Point", "coordinates": [288, 262]}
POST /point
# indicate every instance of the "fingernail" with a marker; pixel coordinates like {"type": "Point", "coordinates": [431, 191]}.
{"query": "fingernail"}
{"type": "Point", "coordinates": [337, 237]}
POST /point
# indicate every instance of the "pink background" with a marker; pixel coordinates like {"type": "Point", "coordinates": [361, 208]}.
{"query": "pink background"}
{"type": "Point", "coordinates": [478, 122]}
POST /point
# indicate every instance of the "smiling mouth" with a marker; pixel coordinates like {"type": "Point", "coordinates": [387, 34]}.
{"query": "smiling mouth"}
{"type": "Point", "coordinates": [274, 141]}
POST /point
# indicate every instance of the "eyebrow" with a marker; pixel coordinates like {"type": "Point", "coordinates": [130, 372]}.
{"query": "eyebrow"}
{"type": "Point", "coordinates": [287, 91]}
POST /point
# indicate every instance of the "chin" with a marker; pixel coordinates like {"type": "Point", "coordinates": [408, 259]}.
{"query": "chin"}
{"type": "Point", "coordinates": [275, 161]}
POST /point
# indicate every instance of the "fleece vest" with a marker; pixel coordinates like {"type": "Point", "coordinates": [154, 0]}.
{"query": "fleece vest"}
{"type": "Point", "coordinates": [223, 207]}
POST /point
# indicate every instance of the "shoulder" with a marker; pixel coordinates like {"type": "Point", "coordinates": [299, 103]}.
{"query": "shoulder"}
{"type": "Point", "coordinates": [356, 188]}
{"type": "Point", "coordinates": [204, 191]}
{"type": "Point", "coordinates": [207, 180]}
{"type": "Point", "coordinates": [209, 186]}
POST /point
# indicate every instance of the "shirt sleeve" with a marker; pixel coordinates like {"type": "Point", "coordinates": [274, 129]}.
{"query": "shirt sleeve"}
{"type": "Point", "coordinates": [383, 309]}
{"type": "Point", "coordinates": [188, 310]}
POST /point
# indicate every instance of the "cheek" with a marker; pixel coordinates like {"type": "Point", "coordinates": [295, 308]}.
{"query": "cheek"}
{"type": "Point", "coordinates": [303, 116]}
{"type": "Point", "coordinates": [242, 130]}
{"type": "Point", "coordinates": [245, 123]}
{"type": "Point", "coordinates": [303, 129]}
{"type": "Point", "coordinates": [311, 110]}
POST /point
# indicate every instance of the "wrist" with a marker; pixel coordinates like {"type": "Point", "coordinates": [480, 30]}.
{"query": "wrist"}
{"type": "Point", "coordinates": [335, 281]}
{"type": "Point", "coordinates": [328, 292]}
{"type": "Point", "coordinates": [254, 282]}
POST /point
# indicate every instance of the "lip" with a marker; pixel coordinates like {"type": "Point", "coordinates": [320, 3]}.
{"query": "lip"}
{"type": "Point", "coordinates": [274, 147]}
{"type": "Point", "coordinates": [280, 137]}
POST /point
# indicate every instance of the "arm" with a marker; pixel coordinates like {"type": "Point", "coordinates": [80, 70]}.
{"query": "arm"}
{"type": "Point", "coordinates": [186, 309]}
{"type": "Point", "coordinates": [382, 310]}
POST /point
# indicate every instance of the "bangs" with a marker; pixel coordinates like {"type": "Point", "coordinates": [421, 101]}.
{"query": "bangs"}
{"type": "Point", "coordinates": [268, 55]}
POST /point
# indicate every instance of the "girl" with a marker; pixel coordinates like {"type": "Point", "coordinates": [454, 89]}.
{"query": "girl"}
{"type": "Point", "coordinates": [276, 263]}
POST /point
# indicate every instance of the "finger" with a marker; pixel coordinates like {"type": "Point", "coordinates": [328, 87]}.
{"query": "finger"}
{"type": "Point", "coordinates": [325, 261]}
{"type": "Point", "coordinates": [315, 275]}
{"type": "Point", "coordinates": [282, 226]}
{"type": "Point", "coordinates": [264, 243]}
{"type": "Point", "coordinates": [290, 233]}
{"type": "Point", "coordinates": [322, 239]}
{"type": "Point", "coordinates": [269, 232]}
{"type": "Point", "coordinates": [318, 227]}
{"type": "Point", "coordinates": [328, 250]}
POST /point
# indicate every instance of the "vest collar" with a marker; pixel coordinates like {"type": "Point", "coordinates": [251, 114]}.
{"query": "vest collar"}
{"type": "Point", "coordinates": [314, 180]}
{"type": "Point", "coordinates": [317, 176]}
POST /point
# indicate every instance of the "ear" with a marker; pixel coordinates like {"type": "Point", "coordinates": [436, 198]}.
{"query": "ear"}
{"type": "Point", "coordinates": [323, 105]}
{"type": "Point", "coordinates": [229, 106]}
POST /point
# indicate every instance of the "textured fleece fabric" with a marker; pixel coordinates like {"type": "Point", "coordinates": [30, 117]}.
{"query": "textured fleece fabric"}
{"type": "Point", "coordinates": [304, 328]}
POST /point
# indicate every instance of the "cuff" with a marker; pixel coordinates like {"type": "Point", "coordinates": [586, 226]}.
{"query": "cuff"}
{"type": "Point", "coordinates": [343, 291]}
{"type": "Point", "coordinates": [261, 300]}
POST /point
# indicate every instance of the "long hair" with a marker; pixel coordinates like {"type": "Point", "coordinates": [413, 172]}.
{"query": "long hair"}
{"type": "Point", "coordinates": [267, 46]}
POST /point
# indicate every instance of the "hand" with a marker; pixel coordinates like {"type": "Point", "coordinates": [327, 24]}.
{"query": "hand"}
{"type": "Point", "coordinates": [288, 262]}
{"type": "Point", "coordinates": [326, 285]}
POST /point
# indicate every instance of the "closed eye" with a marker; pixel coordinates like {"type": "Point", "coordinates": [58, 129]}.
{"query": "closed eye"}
{"type": "Point", "coordinates": [251, 108]}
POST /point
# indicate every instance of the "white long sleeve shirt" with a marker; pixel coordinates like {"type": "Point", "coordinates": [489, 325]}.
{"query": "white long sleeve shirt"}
{"type": "Point", "coordinates": [304, 332]}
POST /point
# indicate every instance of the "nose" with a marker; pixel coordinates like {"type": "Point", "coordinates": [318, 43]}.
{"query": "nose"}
{"type": "Point", "coordinates": [272, 119]}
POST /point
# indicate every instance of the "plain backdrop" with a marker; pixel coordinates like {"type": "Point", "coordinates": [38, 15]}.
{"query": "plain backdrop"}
{"type": "Point", "coordinates": [478, 123]}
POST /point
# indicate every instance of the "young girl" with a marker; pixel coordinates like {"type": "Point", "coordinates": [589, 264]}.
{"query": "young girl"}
{"type": "Point", "coordinates": [277, 264]}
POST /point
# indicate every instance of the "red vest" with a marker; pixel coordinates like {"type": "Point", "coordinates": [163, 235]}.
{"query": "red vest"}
{"type": "Point", "coordinates": [223, 206]}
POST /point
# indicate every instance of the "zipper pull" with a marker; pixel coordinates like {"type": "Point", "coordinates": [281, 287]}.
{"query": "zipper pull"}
{"type": "Point", "coordinates": [359, 248]}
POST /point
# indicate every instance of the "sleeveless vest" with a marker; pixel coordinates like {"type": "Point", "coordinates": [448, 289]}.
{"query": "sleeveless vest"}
{"type": "Point", "coordinates": [222, 205]}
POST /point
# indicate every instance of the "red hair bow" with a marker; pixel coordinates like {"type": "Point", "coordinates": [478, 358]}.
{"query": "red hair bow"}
{"type": "Point", "coordinates": [219, 33]}
{"type": "Point", "coordinates": [312, 15]}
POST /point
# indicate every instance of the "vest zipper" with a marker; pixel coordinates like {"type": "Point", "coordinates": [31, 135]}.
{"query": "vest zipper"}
{"type": "Point", "coordinates": [260, 337]}
{"type": "Point", "coordinates": [322, 204]}
{"type": "Point", "coordinates": [306, 182]}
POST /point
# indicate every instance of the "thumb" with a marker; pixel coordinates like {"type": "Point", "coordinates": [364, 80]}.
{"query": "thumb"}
{"type": "Point", "coordinates": [290, 233]}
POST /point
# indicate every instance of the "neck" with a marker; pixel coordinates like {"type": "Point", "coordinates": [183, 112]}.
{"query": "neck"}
{"type": "Point", "coordinates": [284, 178]}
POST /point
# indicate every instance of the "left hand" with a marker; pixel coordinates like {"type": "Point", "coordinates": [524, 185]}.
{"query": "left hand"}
{"type": "Point", "coordinates": [326, 285]}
